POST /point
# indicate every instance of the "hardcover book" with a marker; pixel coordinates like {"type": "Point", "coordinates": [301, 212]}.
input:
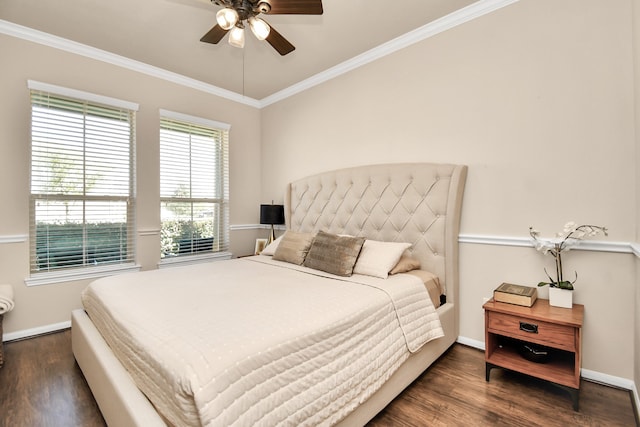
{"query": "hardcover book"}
{"type": "Point", "coordinates": [515, 294]}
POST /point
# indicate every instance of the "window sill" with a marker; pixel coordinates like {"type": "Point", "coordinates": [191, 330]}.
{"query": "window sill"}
{"type": "Point", "coordinates": [37, 279]}
{"type": "Point", "coordinates": [193, 259]}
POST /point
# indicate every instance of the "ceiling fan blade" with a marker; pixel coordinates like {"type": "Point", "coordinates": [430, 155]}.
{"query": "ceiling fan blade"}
{"type": "Point", "coordinates": [214, 35]}
{"type": "Point", "coordinates": [279, 43]}
{"type": "Point", "coordinates": [295, 7]}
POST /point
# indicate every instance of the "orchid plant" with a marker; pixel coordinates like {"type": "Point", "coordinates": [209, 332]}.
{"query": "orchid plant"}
{"type": "Point", "coordinates": [565, 240]}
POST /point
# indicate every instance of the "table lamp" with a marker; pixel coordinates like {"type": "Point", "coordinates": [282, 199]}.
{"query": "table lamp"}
{"type": "Point", "coordinates": [271, 214]}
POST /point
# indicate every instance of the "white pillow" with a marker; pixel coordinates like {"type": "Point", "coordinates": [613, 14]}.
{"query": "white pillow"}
{"type": "Point", "coordinates": [378, 258]}
{"type": "Point", "coordinates": [271, 247]}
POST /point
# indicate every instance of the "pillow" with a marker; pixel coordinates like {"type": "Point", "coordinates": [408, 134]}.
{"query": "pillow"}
{"type": "Point", "coordinates": [271, 247]}
{"type": "Point", "coordinates": [293, 247]}
{"type": "Point", "coordinates": [333, 253]}
{"type": "Point", "coordinates": [432, 283]}
{"type": "Point", "coordinates": [406, 263]}
{"type": "Point", "coordinates": [378, 258]}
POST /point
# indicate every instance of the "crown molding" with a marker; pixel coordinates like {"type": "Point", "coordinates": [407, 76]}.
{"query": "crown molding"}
{"type": "Point", "coordinates": [46, 39]}
{"type": "Point", "coordinates": [473, 11]}
{"type": "Point", "coordinates": [459, 17]}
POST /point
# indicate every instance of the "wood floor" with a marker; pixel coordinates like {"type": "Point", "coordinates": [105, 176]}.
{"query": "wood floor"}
{"type": "Point", "coordinates": [41, 385]}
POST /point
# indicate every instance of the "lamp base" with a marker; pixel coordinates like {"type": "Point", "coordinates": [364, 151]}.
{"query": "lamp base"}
{"type": "Point", "coordinates": [272, 235]}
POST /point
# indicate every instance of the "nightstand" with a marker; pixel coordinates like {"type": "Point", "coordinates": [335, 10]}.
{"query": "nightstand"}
{"type": "Point", "coordinates": [508, 328]}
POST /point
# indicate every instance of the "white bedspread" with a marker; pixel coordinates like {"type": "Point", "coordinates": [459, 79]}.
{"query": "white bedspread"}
{"type": "Point", "coordinates": [254, 341]}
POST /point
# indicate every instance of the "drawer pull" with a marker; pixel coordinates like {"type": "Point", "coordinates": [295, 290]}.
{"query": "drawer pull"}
{"type": "Point", "coordinates": [529, 327]}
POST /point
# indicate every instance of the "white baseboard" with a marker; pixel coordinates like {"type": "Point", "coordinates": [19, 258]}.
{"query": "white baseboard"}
{"type": "Point", "coordinates": [599, 377]}
{"type": "Point", "coordinates": [471, 343]}
{"type": "Point", "coordinates": [28, 333]}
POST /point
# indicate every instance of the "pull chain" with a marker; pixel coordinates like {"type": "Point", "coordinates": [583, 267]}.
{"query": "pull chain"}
{"type": "Point", "coordinates": [243, 72]}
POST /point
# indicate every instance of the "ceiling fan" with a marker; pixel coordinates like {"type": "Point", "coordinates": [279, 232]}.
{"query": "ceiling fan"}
{"type": "Point", "coordinates": [236, 13]}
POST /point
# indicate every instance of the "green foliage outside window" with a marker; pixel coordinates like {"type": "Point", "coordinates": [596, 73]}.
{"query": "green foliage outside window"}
{"type": "Point", "coordinates": [72, 244]}
{"type": "Point", "coordinates": [176, 232]}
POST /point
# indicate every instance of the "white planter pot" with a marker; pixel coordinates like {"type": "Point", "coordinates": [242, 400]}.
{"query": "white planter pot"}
{"type": "Point", "coordinates": [560, 297]}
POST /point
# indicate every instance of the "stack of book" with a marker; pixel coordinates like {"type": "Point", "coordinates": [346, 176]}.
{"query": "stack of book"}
{"type": "Point", "coordinates": [515, 294]}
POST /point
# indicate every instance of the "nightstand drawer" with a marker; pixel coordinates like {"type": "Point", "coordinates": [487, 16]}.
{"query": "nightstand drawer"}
{"type": "Point", "coordinates": [545, 333]}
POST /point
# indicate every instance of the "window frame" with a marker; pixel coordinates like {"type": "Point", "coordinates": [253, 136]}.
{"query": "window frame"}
{"type": "Point", "coordinates": [223, 200]}
{"type": "Point", "coordinates": [84, 271]}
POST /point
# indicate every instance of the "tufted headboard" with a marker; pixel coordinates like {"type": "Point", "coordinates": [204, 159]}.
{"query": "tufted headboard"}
{"type": "Point", "coordinates": [419, 203]}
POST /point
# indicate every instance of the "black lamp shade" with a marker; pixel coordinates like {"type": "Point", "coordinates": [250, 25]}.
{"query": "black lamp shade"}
{"type": "Point", "coordinates": [271, 214]}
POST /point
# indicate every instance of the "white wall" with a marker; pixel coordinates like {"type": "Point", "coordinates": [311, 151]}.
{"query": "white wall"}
{"type": "Point", "coordinates": [537, 98]}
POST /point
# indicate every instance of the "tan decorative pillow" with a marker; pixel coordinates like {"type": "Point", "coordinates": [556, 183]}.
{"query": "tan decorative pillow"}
{"type": "Point", "coordinates": [378, 258]}
{"type": "Point", "coordinates": [432, 283]}
{"type": "Point", "coordinates": [293, 247]}
{"type": "Point", "coordinates": [333, 253]}
{"type": "Point", "coordinates": [406, 263]}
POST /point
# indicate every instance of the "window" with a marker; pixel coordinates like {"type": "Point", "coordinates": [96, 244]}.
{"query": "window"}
{"type": "Point", "coordinates": [82, 180]}
{"type": "Point", "coordinates": [194, 185]}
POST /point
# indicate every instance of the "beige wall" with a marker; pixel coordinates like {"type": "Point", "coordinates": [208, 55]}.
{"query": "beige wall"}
{"type": "Point", "coordinates": [537, 98]}
{"type": "Point", "coordinates": [38, 306]}
{"type": "Point", "coordinates": [636, 50]}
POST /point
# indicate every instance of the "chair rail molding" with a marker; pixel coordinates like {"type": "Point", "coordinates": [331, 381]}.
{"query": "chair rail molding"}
{"type": "Point", "coordinates": [17, 238]}
{"type": "Point", "coordinates": [585, 245]}
{"type": "Point", "coordinates": [476, 239]}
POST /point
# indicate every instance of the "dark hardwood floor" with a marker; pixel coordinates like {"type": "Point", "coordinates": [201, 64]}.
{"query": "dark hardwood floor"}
{"type": "Point", "coordinates": [41, 385]}
{"type": "Point", "coordinates": [454, 392]}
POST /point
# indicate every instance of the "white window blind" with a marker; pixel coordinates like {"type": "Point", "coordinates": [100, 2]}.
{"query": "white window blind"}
{"type": "Point", "coordinates": [82, 183]}
{"type": "Point", "coordinates": [194, 185]}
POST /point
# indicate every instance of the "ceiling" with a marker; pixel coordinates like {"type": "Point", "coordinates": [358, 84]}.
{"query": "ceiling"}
{"type": "Point", "coordinates": [166, 34]}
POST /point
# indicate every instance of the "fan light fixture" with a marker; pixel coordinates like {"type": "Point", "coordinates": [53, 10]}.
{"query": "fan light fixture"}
{"type": "Point", "coordinates": [236, 15]}
{"type": "Point", "coordinates": [227, 18]}
{"type": "Point", "coordinates": [236, 37]}
{"type": "Point", "coordinates": [259, 28]}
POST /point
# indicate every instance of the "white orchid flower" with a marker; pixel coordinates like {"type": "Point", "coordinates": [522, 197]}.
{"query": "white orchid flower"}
{"type": "Point", "coordinates": [564, 241]}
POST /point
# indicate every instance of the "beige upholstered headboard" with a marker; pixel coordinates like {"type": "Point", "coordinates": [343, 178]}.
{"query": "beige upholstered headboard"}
{"type": "Point", "coordinates": [419, 203]}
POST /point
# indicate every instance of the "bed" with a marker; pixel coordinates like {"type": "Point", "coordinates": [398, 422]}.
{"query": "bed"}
{"type": "Point", "coordinates": [416, 204]}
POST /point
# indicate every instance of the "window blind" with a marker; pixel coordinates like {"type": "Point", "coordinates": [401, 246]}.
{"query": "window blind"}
{"type": "Point", "coordinates": [194, 186]}
{"type": "Point", "coordinates": [82, 183]}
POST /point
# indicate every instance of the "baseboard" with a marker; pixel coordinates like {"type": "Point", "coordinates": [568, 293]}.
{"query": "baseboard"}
{"type": "Point", "coordinates": [30, 333]}
{"type": "Point", "coordinates": [471, 343]}
{"type": "Point", "coordinates": [636, 399]}
{"type": "Point", "coordinates": [610, 380]}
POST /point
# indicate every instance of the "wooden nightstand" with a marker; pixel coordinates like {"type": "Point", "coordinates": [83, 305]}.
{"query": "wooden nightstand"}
{"type": "Point", "coordinates": [507, 327]}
